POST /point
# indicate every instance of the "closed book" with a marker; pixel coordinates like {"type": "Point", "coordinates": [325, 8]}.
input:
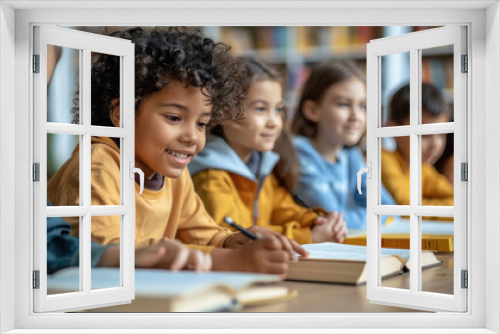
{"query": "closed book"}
{"type": "Point", "coordinates": [436, 242]}
{"type": "Point", "coordinates": [436, 235]}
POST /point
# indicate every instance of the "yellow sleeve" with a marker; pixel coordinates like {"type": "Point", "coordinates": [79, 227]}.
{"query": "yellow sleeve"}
{"type": "Point", "coordinates": [436, 188]}
{"type": "Point", "coordinates": [105, 190]}
{"type": "Point", "coordinates": [203, 248]}
{"type": "Point", "coordinates": [295, 220]}
{"type": "Point", "coordinates": [395, 179]}
{"type": "Point", "coordinates": [219, 195]}
{"type": "Point", "coordinates": [196, 225]}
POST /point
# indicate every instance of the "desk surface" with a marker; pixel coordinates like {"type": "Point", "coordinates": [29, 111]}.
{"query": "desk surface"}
{"type": "Point", "coordinates": [326, 297]}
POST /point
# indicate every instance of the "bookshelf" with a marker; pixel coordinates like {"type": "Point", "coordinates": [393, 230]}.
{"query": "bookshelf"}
{"type": "Point", "coordinates": [296, 49]}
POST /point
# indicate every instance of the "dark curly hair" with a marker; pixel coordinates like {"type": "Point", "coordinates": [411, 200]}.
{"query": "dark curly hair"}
{"type": "Point", "coordinates": [165, 55]}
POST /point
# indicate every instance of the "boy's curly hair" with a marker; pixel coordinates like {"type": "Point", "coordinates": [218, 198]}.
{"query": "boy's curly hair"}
{"type": "Point", "coordinates": [162, 56]}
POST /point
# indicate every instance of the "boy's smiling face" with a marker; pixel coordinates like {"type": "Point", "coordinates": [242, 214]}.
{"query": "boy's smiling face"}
{"type": "Point", "coordinates": [170, 129]}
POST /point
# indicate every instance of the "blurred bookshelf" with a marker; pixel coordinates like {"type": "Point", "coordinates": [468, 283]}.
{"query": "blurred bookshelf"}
{"type": "Point", "coordinates": [296, 49]}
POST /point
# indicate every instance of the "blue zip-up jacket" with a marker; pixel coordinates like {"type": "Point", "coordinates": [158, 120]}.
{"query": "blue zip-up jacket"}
{"type": "Point", "coordinates": [333, 186]}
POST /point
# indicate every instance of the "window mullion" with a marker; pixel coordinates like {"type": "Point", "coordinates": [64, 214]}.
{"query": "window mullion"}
{"type": "Point", "coordinates": [85, 168]}
{"type": "Point", "coordinates": [414, 170]}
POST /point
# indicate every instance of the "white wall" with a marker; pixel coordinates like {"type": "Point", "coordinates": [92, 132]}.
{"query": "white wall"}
{"type": "Point", "coordinates": [492, 164]}
{"type": "Point", "coordinates": [7, 181]}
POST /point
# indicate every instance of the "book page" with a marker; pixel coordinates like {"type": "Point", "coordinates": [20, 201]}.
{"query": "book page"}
{"type": "Point", "coordinates": [334, 251]}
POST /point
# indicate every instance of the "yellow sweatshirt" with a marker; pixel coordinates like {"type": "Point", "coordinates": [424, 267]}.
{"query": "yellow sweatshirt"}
{"type": "Point", "coordinates": [174, 211]}
{"type": "Point", "coordinates": [228, 188]}
{"type": "Point", "coordinates": [436, 189]}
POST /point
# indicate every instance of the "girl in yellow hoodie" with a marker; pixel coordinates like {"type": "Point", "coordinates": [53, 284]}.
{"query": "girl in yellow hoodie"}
{"type": "Point", "coordinates": [238, 175]}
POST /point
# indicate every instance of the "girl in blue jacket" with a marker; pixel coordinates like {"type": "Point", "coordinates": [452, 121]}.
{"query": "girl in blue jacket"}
{"type": "Point", "coordinates": [328, 125]}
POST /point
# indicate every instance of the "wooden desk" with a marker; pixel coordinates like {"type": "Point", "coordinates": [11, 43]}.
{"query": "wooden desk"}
{"type": "Point", "coordinates": [326, 297]}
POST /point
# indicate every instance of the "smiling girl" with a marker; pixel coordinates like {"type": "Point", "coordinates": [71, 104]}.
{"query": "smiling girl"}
{"type": "Point", "coordinates": [183, 82]}
{"type": "Point", "coordinates": [239, 176]}
{"type": "Point", "coordinates": [329, 123]}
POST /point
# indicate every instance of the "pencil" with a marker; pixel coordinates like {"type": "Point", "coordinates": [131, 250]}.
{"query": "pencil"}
{"type": "Point", "coordinates": [243, 230]}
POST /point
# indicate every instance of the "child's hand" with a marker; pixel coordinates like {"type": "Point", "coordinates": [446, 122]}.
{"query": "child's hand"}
{"type": "Point", "coordinates": [331, 227]}
{"type": "Point", "coordinates": [264, 255]}
{"type": "Point", "coordinates": [169, 254]}
{"type": "Point", "coordinates": [291, 246]}
{"type": "Point", "coordinates": [176, 257]}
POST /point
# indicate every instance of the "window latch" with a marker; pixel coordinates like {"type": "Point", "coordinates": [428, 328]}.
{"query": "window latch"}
{"type": "Point", "coordinates": [134, 170]}
{"type": "Point", "coordinates": [363, 170]}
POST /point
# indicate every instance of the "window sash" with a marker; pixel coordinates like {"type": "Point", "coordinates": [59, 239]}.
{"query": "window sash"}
{"type": "Point", "coordinates": [414, 43]}
{"type": "Point", "coordinates": [85, 43]}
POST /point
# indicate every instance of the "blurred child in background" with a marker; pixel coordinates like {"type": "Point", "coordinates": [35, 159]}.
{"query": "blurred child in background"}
{"type": "Point", "coordinates": [239, 176]}
{"type": "Point", "coordinates": [436, 188]}
{"type": "Point", "coordinates": [328, 124]}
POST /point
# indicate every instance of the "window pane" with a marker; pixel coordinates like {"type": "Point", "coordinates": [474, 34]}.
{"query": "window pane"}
{"type": "Point", "coordinates": [437, 236]}
{"type": "Point", "coordinates": [63, 83]}
{"type": "Point", "coordinates": [106, 171]}
{"type": "Point", "coordinates": [392, 271]}
{"type": "Point", "coordinates": [62, 253]}
{"type": "Point", "coordinates": [395, 80]}
{"type": "Point", "coordinates": [62, 179]}
{"type": "Point", "coordinates": [395, 170]}
{"type": "Point", "coordinates": [104, 229]}
{"type": "Point", "coordinates": [437, 85]}
{"type": "Point", "coordinates": [437, 170]}
{"type": "Point", "coordinates": [105, 89]}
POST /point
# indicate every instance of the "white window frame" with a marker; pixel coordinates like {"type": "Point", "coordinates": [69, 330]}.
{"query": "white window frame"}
{"type": "Point", "coordinates": [414, 44]}
{"type": "Point", "coordinates": [85, 43]}
{"type": "Point", "coordinates": [483, 20]}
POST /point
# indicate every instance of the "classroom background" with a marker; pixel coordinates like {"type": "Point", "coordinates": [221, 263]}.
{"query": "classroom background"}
{"type": "Point", "coordinates": [293, 50]}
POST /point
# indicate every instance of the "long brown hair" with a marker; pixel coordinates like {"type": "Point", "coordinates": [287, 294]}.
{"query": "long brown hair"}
{"type": "Point", "coordinates": [286, 170]}
{"type": "Point", "coordinates": [322, 77]}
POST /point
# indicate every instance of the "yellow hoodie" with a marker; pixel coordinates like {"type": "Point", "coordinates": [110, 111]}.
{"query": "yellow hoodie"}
{"type": "Point", "coordinates": [174, 211]}
{"type": "Point", "coordinates": [436, 189]}
{"type": "Point", "coordinates": [228, 188]}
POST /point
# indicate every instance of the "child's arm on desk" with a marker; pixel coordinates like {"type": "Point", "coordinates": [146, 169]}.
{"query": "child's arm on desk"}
{"type": "Point", "coordinates": [168, 254]}
{"type": "Point", "coordinates": [264, 255]}
{"type": "Point", "coordinates": [237, 240]}
{"type": "Point", "coordinates": [330, 227]}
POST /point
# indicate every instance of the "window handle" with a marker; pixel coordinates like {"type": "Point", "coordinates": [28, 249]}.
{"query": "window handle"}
{"type": "Point", "coordinates": [134, 170]}
{"type": "Point", "coordinates": [367, 170]}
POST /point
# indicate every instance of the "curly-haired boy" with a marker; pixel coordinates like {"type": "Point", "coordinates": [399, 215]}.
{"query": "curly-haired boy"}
{"type": "Point", "coordinates": [183, 84]}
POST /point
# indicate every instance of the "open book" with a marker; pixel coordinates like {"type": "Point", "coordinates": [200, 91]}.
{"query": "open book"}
{"type": "Point", "coordinates": [340, 263]}
{"type": "Point", "coordinates": [159, 290]}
